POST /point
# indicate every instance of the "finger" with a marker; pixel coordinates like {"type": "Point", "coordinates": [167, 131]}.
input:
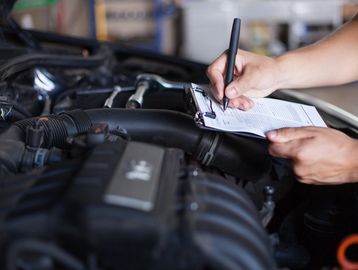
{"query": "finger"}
{"type": "Point", "coordinates": [283, 150]}
{"type": "Point", "coordinates": [215, 73]}
{"type": "Point", "coordinates": [238, 87]}
{"type": "Point", "coordinates": [242, 102]}
{"type": "Point", "coordinates": [306, 181]}
{"type": "Point", "coordinates": [283, 135]}
{"type": "Point", "coordinates": [217, 84]}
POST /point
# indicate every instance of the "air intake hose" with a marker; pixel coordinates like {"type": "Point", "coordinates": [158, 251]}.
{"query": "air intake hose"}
{"type": "Point", "coordinates": [242, 157]}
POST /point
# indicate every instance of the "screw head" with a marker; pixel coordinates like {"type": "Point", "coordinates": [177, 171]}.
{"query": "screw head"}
{"type": "Point", "coordinates": [269, 190]}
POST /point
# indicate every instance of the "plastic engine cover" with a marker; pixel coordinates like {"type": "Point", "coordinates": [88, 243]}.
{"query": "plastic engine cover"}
{"type": "Point", "coordinates": [137, 206]}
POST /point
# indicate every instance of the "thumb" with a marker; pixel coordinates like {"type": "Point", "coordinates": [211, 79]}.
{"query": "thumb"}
{"type": "Point", "coordinates": [238, 87]}
{"type": "Point", "coordinates": [284, 135]}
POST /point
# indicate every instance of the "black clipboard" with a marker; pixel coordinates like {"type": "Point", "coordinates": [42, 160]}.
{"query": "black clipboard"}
{"type": "Point", "coordinates": [198, 114]}
{"type": "Point", "coordinates": [208, 114]}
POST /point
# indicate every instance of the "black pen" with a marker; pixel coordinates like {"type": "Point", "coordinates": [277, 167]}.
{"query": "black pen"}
{"type": "Point", "coordinates": [234, 44]}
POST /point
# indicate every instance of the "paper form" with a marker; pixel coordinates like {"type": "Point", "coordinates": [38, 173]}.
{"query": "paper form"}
{"type": "Point", "coordinates": [267, 114]}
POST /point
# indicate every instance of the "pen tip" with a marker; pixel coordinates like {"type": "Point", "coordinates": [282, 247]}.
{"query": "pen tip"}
{"type": "Point", "coordinates": [225, 103]}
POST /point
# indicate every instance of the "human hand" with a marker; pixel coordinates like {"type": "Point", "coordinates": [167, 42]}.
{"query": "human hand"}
{"type": "Point", "coordinates": [320, 156]}
{"type": "Point", "coordinates": [254, 76]}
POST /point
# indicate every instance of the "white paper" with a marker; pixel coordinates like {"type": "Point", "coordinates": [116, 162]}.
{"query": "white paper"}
{"type": "Point", "coordinates": [267, 114]}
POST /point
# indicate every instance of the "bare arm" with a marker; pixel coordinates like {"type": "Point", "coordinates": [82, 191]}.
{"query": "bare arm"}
{"type": "Point", "coordinates": [319, 155]}
{"type": "Point", "coordinates": [332, 61]}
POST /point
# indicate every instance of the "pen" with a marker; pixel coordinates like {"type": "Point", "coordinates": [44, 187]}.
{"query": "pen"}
{"type": "Point", "coordinates": [234, 44]}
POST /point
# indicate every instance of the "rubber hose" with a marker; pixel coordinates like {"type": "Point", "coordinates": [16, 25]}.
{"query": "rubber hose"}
{"type": "Point", "coordinates": [238, 156]}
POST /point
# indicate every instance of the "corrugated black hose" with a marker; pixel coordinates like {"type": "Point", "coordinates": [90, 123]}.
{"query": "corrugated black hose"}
{"type": "Point", "coordinates": [239, 156]}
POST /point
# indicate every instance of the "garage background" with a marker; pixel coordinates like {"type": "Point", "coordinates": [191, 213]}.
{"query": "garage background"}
{"type": "Point", "coordinates": [199, 29]}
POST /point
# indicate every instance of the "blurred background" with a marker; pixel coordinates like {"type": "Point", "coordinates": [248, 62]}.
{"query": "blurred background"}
{"type": "Point", "coordinates": [198, 30]}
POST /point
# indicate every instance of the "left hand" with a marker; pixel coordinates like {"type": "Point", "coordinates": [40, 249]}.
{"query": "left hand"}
{"type": "Point", "coordinates": [320, 156]}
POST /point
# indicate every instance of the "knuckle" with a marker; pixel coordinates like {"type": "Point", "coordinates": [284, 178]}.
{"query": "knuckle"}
{"type": "Point", "coordinates": [272, 150]}
{"type": "Point", "coordinates": [300, 174]}
{"type": "Point", "coordinates": [301, 155]}
{"type": "Point", "coordinates": [286, 132]}
{"type": "Point", "coordinates": [237, 103]}
{"type": "Point", "coordinates": [244, 98]}
{"type": "Point", "coordinates": [209, 70]}
{"type": "Point", "coordinates": [283, 132]}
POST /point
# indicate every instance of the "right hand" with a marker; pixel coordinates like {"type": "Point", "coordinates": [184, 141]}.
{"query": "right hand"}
{"type": "Point", "coordinates": [254, 76]}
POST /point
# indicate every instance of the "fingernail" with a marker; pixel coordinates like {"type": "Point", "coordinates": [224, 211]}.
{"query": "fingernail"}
{"type": "Point", "coordinates": [246, 106]}
{"type": "Point", "coordinates": [272, 134]}
{"type": "Point", "coordinates": [231, 93]}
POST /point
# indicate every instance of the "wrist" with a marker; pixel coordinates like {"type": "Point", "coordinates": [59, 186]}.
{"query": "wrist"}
{"type": "Point", "coordinates": [283, 72]}
{"type": "Point", "coordinates": [353, 158]}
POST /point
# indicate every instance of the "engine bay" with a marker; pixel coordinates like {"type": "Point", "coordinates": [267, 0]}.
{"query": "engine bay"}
{"type": "Point", "coordinates": [102, 167]}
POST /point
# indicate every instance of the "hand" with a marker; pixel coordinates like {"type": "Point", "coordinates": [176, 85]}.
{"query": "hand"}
{"type": "Point", "coordinates": [320, 156]}
{"type": "Point", "coordinates": [254, 76]}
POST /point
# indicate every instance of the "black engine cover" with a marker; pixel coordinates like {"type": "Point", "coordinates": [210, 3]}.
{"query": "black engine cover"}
{"type": "Point", "coordinates": [123, 202]}
{"type": "Point", "coordinates": [135, 205]}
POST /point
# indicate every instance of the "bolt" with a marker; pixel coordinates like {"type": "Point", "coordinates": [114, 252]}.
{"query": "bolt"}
{"type": "Point", "coordinates": [194, 206]}
{"type": "Point", "coordinates": [269, 191]}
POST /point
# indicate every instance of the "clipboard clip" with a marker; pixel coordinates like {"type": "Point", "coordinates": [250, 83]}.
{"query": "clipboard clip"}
{"type": "Point", "coordinates": [198, 118]}
{"type": "Point", "coordinates": [211, 113]}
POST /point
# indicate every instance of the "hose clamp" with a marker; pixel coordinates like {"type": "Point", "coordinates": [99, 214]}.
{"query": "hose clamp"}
{"type": "Point", "coordinates": [208, 157]}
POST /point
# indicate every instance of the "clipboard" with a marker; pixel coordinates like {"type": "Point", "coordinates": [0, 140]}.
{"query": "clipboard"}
{"type": "Point", "coordinates": [266, 115]}
{"type": "Point", "coordinates": [199, 115]}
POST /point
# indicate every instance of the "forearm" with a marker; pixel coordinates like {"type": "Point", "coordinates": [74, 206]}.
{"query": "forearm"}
{"type": "Point", "coordinates": [332, 61]}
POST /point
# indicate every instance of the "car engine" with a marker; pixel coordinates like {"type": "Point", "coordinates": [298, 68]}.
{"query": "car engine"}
{"type": "Point", "coordinates": [102, 167]}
